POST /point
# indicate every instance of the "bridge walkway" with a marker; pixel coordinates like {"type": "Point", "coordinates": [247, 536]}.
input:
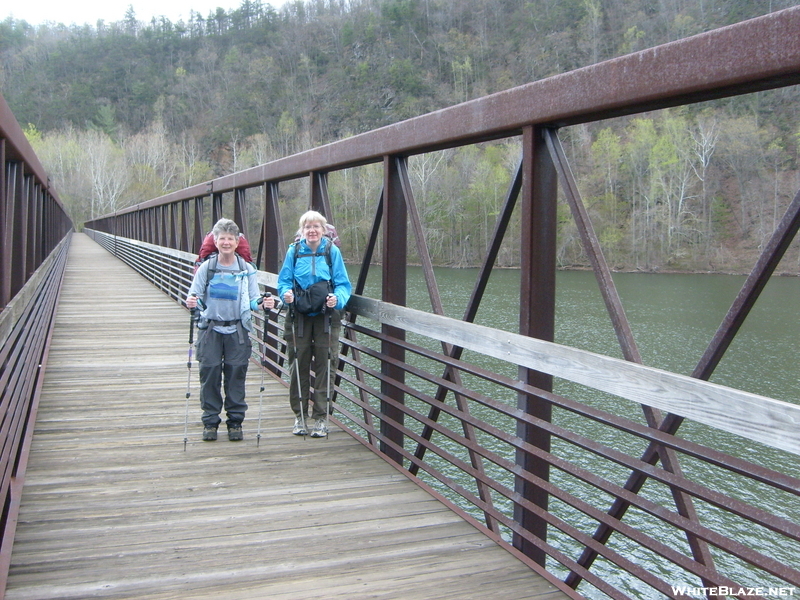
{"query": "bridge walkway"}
{"type": "Point", "coordinates": [114, 507]}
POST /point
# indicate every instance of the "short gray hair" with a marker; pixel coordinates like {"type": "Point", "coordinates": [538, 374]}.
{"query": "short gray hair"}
{"type": "Point", "coordinates": [225, 226]}
{"type": "Point", "coordinates": [312, 216]}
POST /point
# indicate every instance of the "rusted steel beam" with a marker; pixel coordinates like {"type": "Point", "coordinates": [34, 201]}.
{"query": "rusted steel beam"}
{"type": "Point", "coordinates": [19, 238]}
{"type": "Point", "coordinates": [32, 253]}
{"type": "Point", "coordinates": [165, 226]}
{"type": "Point", "coordinates": [270, 245]}
{"type": "Point", "coordinates": [185, 227]}
{"type": "Point", "coordinates": [269, 258]}
{"type": "Point", "coordinates": [175, 225]}
{"type": "Point", "coordinates": [318, 194]}
{"type": "Point", "coordinates": [239, 210]}
{"type": "Point", "coordinates": [594, 252]}
{"type": "Point", "coordinates": [148, 225]}
{"type": "Point", "coordinates": [395, 262]}
{"type": "Point", "coordinates": [216, 206]}
{"type": "Point", "coordinates": [160, 217]}
{"type": "Point", "coordinates": [199, 231]}
{"type": "Point", "coordinates": [153, 215]}
{"type": "Point", "coordinates": [144, 225]}
{"type": "Point", "coordinates": [5, 243]}
{"type": "Point", "coordinates": [536, 319]}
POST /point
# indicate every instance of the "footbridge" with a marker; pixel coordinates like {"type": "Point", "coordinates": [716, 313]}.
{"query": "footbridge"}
{"type": "Point", "coordinates": [458, 465]}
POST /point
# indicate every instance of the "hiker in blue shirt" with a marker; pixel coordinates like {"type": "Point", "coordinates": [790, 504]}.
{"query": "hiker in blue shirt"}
{"type": "Point", "coordinates": [314, 284]}
{"type": "Point", "coordinates": [225, 287]}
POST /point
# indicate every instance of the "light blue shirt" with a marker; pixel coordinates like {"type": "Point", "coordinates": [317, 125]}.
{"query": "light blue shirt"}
{"type": "Point", "coordinates": [229, 296]}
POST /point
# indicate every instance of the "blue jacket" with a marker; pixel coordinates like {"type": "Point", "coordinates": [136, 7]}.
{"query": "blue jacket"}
{"type": "Point", "coordinates": [311, 269]}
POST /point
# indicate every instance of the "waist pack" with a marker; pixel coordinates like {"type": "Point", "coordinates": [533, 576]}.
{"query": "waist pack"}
{"type": "Point", "coordinates": [311, 299]}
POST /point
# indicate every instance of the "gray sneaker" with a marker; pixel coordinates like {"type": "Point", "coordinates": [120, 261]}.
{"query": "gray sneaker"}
{"type": "Point", "coordinates": [299, 428]}
{"type": "Point", "coordinates": [209, 433]}
{"type": "Point", "coordinates": [235, 433]}
{"type": "Point", "coordinates": [320, 429]}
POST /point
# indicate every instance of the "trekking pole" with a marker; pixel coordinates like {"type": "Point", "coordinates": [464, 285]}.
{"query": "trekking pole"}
{"type": "Point", "coordinates": [297, 371]}
{"type": "Point", "coordinates": [263, 364]}
{"type": "Point", "coordinates": [328, 407]}
{"type": "Point", "coordinates": [189, 376]}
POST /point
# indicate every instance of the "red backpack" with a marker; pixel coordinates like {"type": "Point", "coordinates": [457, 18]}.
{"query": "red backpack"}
{"type": "Point", "coordinates": [208, 248]}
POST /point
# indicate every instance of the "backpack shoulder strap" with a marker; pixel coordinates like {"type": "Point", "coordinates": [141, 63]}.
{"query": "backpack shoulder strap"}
{"type": "Point", "coordinates": [326, 253]}
{"type": "Point", "coordinates": [296, 247]}
{"type": "Point", "coordinates": [212, 265]}
{"type": "Point", "coordinates": [212, 269]}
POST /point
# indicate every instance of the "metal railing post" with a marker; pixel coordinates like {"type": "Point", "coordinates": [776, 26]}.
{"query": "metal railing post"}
{"type": "Point", "coordinates": [536, 319]}
{"type": "Point", "coordinates": [395, 258]}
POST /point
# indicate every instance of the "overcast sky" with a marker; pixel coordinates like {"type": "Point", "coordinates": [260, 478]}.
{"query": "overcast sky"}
{"type": "Point", "coordinates": [89, 11]}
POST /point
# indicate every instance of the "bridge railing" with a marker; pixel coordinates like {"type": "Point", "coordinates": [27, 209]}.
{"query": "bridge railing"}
{"type": "Point", "coordinates": [463, 433]}
{"type": "Point", "coordinates": [34, 240]}
{"type": "Point", "coordinates": [534, 485]}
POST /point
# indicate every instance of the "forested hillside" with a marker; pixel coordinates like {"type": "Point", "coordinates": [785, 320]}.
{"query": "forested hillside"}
{"type": "Point", "coordinates": [125, 111]}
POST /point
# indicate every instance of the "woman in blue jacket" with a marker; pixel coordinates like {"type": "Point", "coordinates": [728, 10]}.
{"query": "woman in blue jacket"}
{"type": "Point", "coordinates": [314, 284]}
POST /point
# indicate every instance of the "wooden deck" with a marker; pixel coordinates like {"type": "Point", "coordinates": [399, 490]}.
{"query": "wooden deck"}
{"type": "Point", "coordinates": [113, 507]}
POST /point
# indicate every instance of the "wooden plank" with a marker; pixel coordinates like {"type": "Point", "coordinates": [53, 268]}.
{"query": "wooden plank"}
{"type": "Point", "coordinates": [113, 507]}
{"type": "Point", "coordinates": [766, 420]}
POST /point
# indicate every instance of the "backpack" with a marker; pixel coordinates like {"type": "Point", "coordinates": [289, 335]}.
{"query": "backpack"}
{"type": "Point", "coordinates": [208, 247]}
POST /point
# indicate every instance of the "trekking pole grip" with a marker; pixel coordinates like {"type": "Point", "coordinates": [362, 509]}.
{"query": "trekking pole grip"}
{"type": "Point", "coordinates": [192, 318]}
{"type": "Point", "coordinates": [264, 336]}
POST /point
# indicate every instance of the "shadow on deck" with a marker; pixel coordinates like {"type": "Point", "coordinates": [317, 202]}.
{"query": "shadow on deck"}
{"type": "Point", "coordinates": [113, 507]}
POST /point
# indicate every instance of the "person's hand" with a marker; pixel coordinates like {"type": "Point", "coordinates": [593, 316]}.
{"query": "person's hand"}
{"type": "Point", "coordinates": [288, 296]}
{"type": "Point", "coordinates": [330, 301]}
{"type": "Point", "coordinates": [191, 302]}
{"type": "Point", "coordinates": [267, 302]}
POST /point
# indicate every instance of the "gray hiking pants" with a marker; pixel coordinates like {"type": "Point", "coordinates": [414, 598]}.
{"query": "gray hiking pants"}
{"type": "Point", "coordinates": [223, 367]}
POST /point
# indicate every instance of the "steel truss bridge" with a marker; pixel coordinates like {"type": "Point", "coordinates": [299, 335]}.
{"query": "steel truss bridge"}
{"type": "Point", "coordinates": [411, 384]}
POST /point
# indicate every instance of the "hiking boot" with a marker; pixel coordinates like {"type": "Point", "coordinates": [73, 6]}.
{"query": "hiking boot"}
{"type": "Point", "coordinates": [209, 433]}
{"type": "Point", "coordinates": [299, 428]}
{"type": "Point", "coordinates": [320, 429]}
{"type": "Point", "coordinates": [235, 433]}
